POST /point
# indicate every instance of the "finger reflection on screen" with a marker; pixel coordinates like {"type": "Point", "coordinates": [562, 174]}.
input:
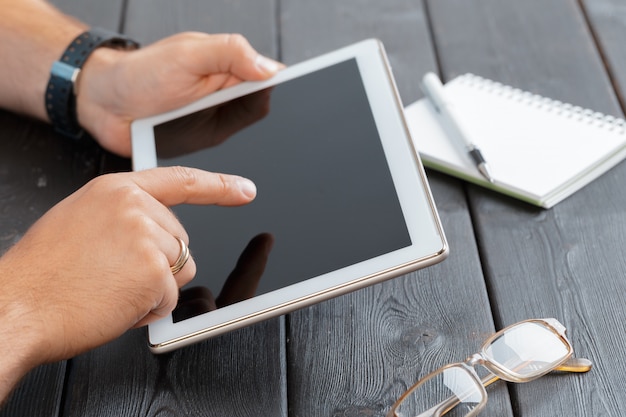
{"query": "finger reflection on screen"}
{"type": "Point", "coordinates": [240, 285]}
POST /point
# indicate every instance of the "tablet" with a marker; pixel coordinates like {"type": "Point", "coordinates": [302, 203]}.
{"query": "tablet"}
{"type": "Point", "coordinates": [342, 199]}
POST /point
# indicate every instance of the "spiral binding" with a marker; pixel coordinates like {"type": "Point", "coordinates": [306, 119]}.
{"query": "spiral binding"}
{"type": "Point", "coordinates": [578, 113]}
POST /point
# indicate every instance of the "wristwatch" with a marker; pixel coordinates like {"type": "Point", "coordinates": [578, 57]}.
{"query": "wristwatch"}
{"type": "Point", "coordinates": [61, 90]}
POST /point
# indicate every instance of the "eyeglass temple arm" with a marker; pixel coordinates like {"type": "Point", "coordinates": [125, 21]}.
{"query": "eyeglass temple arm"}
{"type": "Point", "coordinates": [571, 365]}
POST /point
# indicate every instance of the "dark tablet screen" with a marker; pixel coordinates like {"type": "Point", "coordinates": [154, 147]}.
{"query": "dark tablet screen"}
{"type": "Point", "coordinates": [325, 197]}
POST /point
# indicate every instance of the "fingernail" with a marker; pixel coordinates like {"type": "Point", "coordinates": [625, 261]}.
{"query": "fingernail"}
{"type": "Point", "coordinates": [268, 65]}
{"type": "Point", "coordinates": [247, 187]}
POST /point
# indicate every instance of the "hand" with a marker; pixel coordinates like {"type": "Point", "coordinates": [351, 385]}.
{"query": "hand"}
{"type": "Point", "coordinates": [117, 87]}
{"type": "Point", "coordinates": [98, 263]}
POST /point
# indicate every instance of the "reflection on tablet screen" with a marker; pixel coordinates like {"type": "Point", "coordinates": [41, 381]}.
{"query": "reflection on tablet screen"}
{"type": "Point", "coordinates": [325, 198]}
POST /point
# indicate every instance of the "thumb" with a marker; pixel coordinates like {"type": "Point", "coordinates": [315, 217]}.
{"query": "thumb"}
{"type": "Point", "coordinates": [181, 185]}
{"type": "Point", "coordinates": [233, 54]}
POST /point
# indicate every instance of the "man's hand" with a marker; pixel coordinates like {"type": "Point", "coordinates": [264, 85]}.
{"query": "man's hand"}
{"type": "Point", "coordinates": [117, 87]}
{"type": "Point", "coordinates": [98, 263]}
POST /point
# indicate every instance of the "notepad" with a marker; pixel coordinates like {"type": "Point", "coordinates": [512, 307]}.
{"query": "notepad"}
{"type": "Point", "coordinates": [539, 150]}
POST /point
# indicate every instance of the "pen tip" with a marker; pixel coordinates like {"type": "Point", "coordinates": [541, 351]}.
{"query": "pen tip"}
{"type": "Point", "coordinates": [484, 169]}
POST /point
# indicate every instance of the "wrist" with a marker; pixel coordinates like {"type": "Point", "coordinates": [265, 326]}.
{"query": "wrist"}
{"type": "Point", "coordinates": [97, 89]}
{"type": "Point", "coordinates": [61, 94]}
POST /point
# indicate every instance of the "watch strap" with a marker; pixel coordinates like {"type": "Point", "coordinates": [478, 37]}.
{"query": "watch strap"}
{"type": "Point", "coordinates": [60, 98]}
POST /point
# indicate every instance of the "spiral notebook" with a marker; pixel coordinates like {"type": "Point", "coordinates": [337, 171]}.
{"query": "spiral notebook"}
{"type": "Point", "coordinates": [539, 150]}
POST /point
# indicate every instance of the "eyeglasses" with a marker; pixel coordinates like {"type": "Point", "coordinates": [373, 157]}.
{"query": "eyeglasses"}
{"type": "Point", "coordinates": [518, 353]}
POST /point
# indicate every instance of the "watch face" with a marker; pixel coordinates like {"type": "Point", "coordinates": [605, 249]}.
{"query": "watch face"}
{"type": "Point", "coordinates": [64, 71]}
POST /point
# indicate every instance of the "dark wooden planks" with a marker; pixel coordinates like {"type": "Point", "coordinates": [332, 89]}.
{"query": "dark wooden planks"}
{"type": "Point", "coordinates": [39, 394]}
{"type": "Point", "coordinates": [354, 355]}
{"type": "Point", "coordinates": [241, 373]}
{"type": "Point", "coordinates": [150, 20]}
{"type": "Point", "coordinates": [310, 28]}
{"type": "Point", "coordinates": [104, 14]}
{"type": "Point", "coordinates": [566, 262]}
{"type": "Point", "coordinates": [607, 19]}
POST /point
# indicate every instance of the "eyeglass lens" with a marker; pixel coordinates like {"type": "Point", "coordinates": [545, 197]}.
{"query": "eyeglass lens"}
{"type": "Point", "coordinates": [528, 349]}
{"type": "Point", "coordinates": [455, 391]}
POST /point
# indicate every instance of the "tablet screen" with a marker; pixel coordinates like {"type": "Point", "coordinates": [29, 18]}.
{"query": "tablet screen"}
{"type": "Point", "coordinates": [325, 196]}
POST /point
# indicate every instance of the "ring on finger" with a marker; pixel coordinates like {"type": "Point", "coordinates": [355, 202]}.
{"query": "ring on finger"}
{"type": "Point", "coordinates": [183, 257]}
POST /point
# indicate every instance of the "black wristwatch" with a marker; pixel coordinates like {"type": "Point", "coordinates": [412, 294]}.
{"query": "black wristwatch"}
{"type": "Point", "coordinates": [60, 92]}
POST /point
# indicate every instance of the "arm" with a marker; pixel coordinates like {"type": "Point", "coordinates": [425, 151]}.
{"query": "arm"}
{"type": "Point", "coordinates": [116, 87]}
{"type": "Point", "coordinates": [34, 34]}
{"type": "Point", "coordinates": [79, 261]}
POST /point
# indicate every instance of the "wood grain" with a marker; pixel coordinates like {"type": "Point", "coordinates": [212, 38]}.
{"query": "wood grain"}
{"type": "Point", "coordinates": [239, 374]}
{"type": "Point", "coordinates": [309, 28]}
{"type": "Point", "coordinates": [105, 14]}
{"type": "Point", "coordinates": [566, 262]}
{"type": "Point", "coordinates": [607, 20]}
{"type": "Point", "coordinates": [150, 20]}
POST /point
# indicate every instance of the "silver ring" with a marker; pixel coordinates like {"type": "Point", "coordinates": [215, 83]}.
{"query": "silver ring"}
{"type": "Point", "coordinates": [183, 257]}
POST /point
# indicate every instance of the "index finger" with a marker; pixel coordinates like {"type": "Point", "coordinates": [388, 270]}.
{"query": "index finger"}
{"type": "Point", "coordinates": [183, 185]}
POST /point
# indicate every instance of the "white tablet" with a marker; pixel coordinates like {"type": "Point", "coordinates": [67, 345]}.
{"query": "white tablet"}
{"type": "Point", "coordinates": [342, 198]}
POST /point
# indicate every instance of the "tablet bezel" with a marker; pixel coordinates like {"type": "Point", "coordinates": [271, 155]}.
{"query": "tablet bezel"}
{"type": "Point", "coordinates": [406, 171]}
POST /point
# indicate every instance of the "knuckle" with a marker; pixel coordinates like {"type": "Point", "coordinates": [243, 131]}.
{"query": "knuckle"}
{"type": "Point", "coordinates": [238, 46]}
{"type": "Point", "coordinates": [120, 194]}
{"type": "Point", "coordinates": [186, 178]}
{"type": "Point", "coordinates": [236, 41]}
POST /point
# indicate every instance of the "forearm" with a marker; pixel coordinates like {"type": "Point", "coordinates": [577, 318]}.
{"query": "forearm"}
{"type": "Point", "coordinates": [34, 34]}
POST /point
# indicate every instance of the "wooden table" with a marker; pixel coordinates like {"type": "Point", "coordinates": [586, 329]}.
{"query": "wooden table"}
{"type": "Point", "coordinates": [353, 355]}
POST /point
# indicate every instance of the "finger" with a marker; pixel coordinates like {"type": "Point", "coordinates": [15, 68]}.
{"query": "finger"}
{"type": "Point", "coordinates": [164, 306]}
{"type": "Point", "coordinates": [170, 289]}
{"type": "Point", "coordinates": [232, 54]}
{"type": "Point", "coordinates": [180, 185]}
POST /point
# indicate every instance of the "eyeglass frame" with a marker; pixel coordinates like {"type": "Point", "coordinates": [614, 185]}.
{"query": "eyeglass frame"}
{"type": "Point", "coordinates": [567, 364]}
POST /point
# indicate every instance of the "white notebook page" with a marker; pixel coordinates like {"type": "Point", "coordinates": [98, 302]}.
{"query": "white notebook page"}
{"type": "Point", "coordinates": [533, 145]}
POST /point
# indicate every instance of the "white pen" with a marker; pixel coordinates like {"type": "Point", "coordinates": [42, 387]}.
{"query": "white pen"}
{"type": "Point", "coordinates": [432, 87]}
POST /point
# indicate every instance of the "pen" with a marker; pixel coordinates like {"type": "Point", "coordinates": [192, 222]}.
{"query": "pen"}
{"type": "Point", "coordinates": [433, 89]}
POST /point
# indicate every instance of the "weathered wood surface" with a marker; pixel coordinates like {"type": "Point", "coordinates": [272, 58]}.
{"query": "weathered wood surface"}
{"type": "Point", "coordinates": [566, 262]}
{"type": "Point", "coordinates": [355, 354]}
